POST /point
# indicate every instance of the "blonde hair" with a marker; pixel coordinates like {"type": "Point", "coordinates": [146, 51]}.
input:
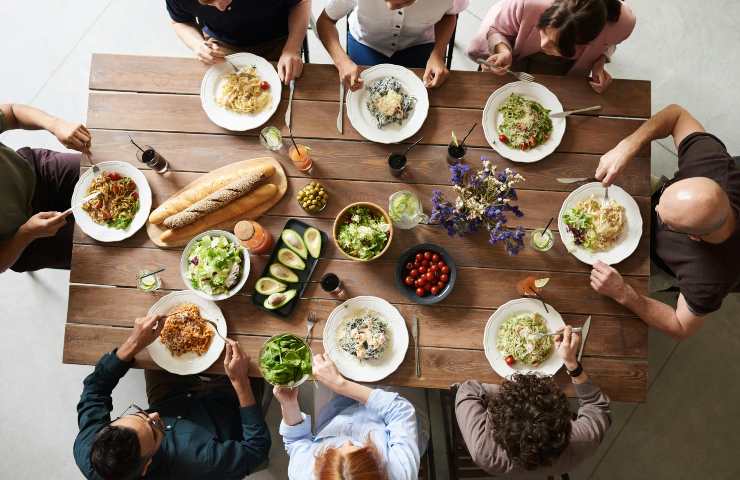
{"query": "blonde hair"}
{"type": "Point", "coordinates": [364, 463]}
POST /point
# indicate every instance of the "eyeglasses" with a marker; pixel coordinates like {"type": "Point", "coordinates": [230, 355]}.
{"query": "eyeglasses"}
{"type": "Point", "coordinates": [136, 410]}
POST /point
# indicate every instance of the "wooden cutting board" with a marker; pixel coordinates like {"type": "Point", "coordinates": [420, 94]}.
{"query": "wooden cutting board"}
{"type": "Point", "coordinates": [278, 179]}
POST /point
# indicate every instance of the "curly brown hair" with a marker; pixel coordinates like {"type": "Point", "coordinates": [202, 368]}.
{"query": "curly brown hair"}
{"type": "Point", "coordinates": [531, 419]}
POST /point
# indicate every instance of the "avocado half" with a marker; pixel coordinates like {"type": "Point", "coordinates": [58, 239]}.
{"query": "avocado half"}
{"type": "Point", "coordinates": [293, 240]}
{"type": "Point", "coordinates": [268, 286]}
{"type": "Point", "coordinates": [281, 272]}
{"type": "Point", "coordinates": [279, 299]}
{"type": "Point", "coordinates": [291, 259]}
{"type": "Point", "coordinates": [312, 239]}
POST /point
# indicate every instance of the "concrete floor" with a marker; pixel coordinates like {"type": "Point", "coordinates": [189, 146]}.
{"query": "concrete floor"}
{"type": "Point", "coordinates": [688, 429]}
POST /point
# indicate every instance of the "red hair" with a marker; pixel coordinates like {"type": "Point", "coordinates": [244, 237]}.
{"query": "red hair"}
{"type": "Point", "coordinates": [364, 463]}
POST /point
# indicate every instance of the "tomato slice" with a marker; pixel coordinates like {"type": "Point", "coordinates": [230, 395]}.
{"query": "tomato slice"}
{"type": "Point", "coordinates": [503, 138]}
{"type": "Point", "coordinates": [510, 360]}
{"type": "Point", "coordinates": [264, 85]}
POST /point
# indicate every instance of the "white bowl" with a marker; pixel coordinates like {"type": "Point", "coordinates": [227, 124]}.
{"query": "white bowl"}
{"type": "Point", "coordinates": [245, 267]}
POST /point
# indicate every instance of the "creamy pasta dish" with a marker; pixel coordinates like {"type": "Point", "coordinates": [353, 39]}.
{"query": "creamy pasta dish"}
{"type": "Point", "coordinates": [244, 91]}
{"type": "Point", "coordinates": [595, 224]}
{"type": "Point", "coordinates": [364, 335]}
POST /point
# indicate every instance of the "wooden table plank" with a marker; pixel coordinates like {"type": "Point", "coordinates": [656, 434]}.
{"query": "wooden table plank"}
{"type": "Point", "coordinates": [203, 153]}
{"type": "Point", "coordinates": [609, 336]}
{"type": "Point", "coordinates": [183, 113]}
{"type": "Point", "coordinates": [621, 380]}
{"type": "Point", "coordinates": [470, 251]}
{"type": "Point", "coordinates": [630, 98]}
{"type": "Point", "coordinates": [475, 287]}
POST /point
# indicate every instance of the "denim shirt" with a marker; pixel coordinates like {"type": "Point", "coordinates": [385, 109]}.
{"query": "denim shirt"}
{"type": "Point", "coordinates": [387, 419]}
{"type": "Point", "coordinates": [207, 435]}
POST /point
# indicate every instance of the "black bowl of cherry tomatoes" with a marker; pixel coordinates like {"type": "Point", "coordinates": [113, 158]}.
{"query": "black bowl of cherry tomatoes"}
{"type": "Point", "coordinates": [426, 273]}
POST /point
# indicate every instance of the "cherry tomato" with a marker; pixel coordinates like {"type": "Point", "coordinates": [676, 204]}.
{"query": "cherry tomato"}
{"type": "Point", "coordinates": [414, 272]}
{"type": "Point", "coordinates": [114, 176]}
{"type": "Point", "coordinates": [419, 257]}
{"type": "Point", "coordinates": [135, 194]}
{"type": "Point", "coordinates": [422, 269]}
{"type": "Point", "coordinates": [433, 268]}
{"type": "Point", "coordinates": [429, 276]}
{"type": "Point", "coordinates": [441, 264]}
{"type": "Point", "coordinates": [440, 285]}
{"type": "Point", "coordinates": [420, 292]}
{"type": "Point", "coordinates": [434, 290]}
{"type": "Point", "coordinates": [444, 278]}
{"type": "Point", "coordinates": [509, 360]}
{"type": "Point", "coordinates": [503, 138]}
{"type": "Point", "coordinates": [265, 85]}
{"type": "Point", "coordinates": [421, 282]}
{"type": "Point", "coordinates": [445, 269]}
{"type": "Point", "coordinates": [409, 266]}
{"type": "Point", "coordinates": [409, 281]}
{"type": "Point", "coordinates": [427, 255]}
{"type": "Point", "coordinates": [435, 257]}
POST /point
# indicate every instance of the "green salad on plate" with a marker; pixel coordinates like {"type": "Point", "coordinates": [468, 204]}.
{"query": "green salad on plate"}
{"type": "Point", "coordinates": [284, 360]}
{"type": "Point", "coordinates": [365, 234]}
{"type": "Point", "coordinates": [215, 265]}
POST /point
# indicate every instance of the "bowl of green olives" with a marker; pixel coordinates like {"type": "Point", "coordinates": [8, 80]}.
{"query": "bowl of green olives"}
{"type": "Point", "coordinates": [313, 197]}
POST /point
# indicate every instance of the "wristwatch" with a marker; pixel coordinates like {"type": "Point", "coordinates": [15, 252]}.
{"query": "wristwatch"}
{"type": "Point", "coordinates": [574, 373]}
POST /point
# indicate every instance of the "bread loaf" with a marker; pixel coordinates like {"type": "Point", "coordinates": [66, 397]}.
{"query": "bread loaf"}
{"type": "Point", "coordinates": [239, 207]}
{"type": "Point", "coordinates": [199, 191]}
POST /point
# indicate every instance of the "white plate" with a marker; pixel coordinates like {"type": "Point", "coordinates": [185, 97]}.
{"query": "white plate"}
{"type": "Point", "coordinates": [245, 267]}
{"type": "Point", "coordinates": [189, 363]}
{"type": "Point", "coordinates": [367, 370]}
{"type": "Point", "coordinates": [626, 243]}
{"type": "Point", "coordinates": [103, 233]}
{"type": "Point", "coordinates": [521, 305]}
{"type": "Point", "coordinates": [364, 122]}
{"type": "Point", "coordinates": [213, 80]}
{"type": "Point", "coordinates": [492, 118]}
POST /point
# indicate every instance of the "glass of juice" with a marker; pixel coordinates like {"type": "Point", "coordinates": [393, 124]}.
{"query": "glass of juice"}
{"type": "Point", "coordinates": [405, 209]}
{"type": "Point", "coordinates": [148, 283]}
{"type": "Point", "coordinates": [300, 155]}
{"type": "Point", "coordinates": [542, 240]}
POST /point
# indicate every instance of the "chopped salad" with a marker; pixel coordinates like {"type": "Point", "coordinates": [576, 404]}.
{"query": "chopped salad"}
{"type": "Point", "coordinates": [214, 265]}
{"type": "Point", "coordinates": [365, 234]}
{"type": "Point", "coordinates": [526, 124]}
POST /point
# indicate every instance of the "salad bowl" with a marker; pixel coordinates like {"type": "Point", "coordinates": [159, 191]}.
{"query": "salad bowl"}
{"type": "Point", "coordinates": [207, 265]}
{"type": "Point", "coordinates": [364, 233]}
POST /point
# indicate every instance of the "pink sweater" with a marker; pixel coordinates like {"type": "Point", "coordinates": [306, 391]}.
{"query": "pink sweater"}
{"type": "Point", "coordinates": [514, 22]}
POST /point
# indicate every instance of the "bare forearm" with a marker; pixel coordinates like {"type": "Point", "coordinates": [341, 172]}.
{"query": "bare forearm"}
{"type": "Point", "coordinates": [30, 118]}
{"type": "Point", "coordinates": [658, 126]}
{"type": "Point", "coordinates": [655, 313]}
{"type": "Point", "coordinates": [12, 248]}
{"type": "Point", "coordinates": [297, 24]}
{"type": "Point", "coordinates": [327, 31]}
{"type": "Point", "coordinates": [291, 413]}
{"type": "Point", "coordinates": [443, 33]}
{"type": "Point", "coordinates": [189, 34]}
{"type": "Point", "coordinates": [244, 393]}
{"type": "Point", "coordinates": [353, 390]}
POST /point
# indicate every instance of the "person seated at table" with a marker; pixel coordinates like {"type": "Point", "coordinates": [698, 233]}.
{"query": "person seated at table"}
{"type": "Point", "coordinates": [695, 228]}
{"type": "Point", "coordinates": [36, 188]}
{"type": "Point", "coordinates": [574, 37]}
{"type": "Point", "coordinates": [193, 428]}
{"type": "Point", "coordinates": [526, 424]}
{"type": "Point", "coordinates": [362, 432]}
{"type": "Point", "coordinates": [274, 30]}
{"type": "Point", "coordinates": [402, 32]}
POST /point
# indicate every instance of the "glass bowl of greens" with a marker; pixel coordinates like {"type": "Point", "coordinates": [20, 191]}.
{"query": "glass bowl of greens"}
{"type": "Point", "coordinates": [363, 231]}
{"type": "Point", "coordinates": [214, 265]}
{"type": "Point", "coordinates": [285, 360]}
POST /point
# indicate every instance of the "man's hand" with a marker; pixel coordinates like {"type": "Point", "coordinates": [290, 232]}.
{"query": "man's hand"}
{"type": "Point", "coordinates": [613, 162]}
{"type": "Point", "coordinates": [72, 135]}
{"type": "Point", "coordinates": [236, 363]}
{"type": "Point", "coordinates": [600, 78]}
{"type": "Point", "coordinates": [349, 74]}
{"type": "Point", "coordinates": [326, 372]}
{"type": "Point", "coordinates": [210, 52]}
{"type": "Point", "coordinates": [290, 66]}
{"type": "Point", "coordinates": [436, 72]}
{"type": "Point", "coordinates": [146, 330]}
{"type": "Point", "coordinates": [567, 345]}
{"type": "Point", "coordinates": [499, 62]}
{"type": "Point", "coordinates": [607, 281]}
{"type": "Point", "coordinates": [43, 224]}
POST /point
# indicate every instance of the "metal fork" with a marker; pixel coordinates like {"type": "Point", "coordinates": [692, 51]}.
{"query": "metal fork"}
{"type": "Point", "coordinates": [523, 76]}
{"type": "Point", "coordinates": [310, 322]}
{"type": "Point", "coordinates": [606, 194]}
{"type": "Point", "coordinates": [537, 336]}
{"type": "Point", "coordinates": [215, 327]}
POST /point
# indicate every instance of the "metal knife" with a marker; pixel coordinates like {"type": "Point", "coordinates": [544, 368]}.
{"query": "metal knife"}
{"type": "Point", "coordinates": [568, 180]}
{"type": "Point", "coordinates": [290, 104]}
{"type": "Point", "coordinates": [571, 112]}
{"type": "Point", "coordinates": [415, 334]}
{"type": "Point", "coordinates": [340, 117]}
{"type": "Point", "coordinates": [584, 336]}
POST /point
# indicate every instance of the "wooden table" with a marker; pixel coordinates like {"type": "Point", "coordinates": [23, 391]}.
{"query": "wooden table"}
{"type": "Point", "coordinates": [156, 100]}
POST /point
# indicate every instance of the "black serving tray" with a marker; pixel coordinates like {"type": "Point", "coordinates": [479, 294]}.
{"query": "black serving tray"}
{"type": "Point", "coordinates": [303, 276]}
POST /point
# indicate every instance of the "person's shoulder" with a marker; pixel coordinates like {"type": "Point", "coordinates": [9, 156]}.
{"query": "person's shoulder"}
{"type": "Point", "coordinates": [703, 154]}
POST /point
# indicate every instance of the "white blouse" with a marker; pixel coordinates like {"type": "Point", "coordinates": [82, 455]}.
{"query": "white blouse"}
{"type": "Point", "coordinates": [373, 24]}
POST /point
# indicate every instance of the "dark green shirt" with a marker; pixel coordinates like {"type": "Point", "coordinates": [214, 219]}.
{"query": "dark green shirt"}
{"type": "Point", "coordinates": [207, 435]}
{"type": "Point", "coordinates": [17, 183]}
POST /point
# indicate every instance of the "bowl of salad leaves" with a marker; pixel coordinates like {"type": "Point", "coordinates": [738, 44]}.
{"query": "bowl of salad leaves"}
{"type": "Point", "coordinates": [214, 265]}
{"type": "Point", "coordinates": [285, 360]}
{"type": "Point", "coordinates": [363, 231]}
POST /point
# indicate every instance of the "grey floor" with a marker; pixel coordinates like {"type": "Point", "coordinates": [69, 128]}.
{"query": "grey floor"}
{"type": "Point", "coordinates": [688, 429]}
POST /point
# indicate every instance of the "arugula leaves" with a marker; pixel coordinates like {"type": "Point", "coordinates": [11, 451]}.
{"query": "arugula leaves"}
{"type": "Point", "coordinates": [285, 359]}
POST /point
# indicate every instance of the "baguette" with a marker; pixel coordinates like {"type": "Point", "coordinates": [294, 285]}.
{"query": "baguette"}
{"type": "Point", "coordinates": [214, 201]}
{"type": "Point", "coordinates": [201, 190]}
{"type": "Point", "coordinates": [224, 214]}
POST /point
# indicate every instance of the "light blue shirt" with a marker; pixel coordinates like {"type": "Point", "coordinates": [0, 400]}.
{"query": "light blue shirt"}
{"type": "Point", "coordinates": [387, 418]}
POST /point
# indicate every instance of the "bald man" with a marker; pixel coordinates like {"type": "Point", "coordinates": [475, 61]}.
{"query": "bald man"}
{"type": "Point", "coordinates": [695, 234]}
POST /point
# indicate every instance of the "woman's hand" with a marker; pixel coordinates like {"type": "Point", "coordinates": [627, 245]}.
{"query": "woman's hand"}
{"type": "Point", "coordinates": [436, 72]}
{"type": "Point", "coordinates": [567, 345]}
{"type": "Point", "coordinates": [326, 372]}
{"type": "Point", "coordinates": [72, 135]}
{"type": "Point", "coordinates": [290, 66]}
{"type": "Point", "coordinates": [286, 395]}
{"type": "Point", "coordinates": [349, 74]}
{"type": "Point", "coordinates": [600, 78]}
{"type": "Point", "coordinates": [500, 61]}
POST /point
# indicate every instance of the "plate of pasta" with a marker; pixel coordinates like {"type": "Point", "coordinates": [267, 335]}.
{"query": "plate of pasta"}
{"type": "Point", "coordinates": [593, 228]}
{"type": "Point", "coordinates": [122, 206]}
{"type": "Point", "coordinates": [510, 339]}
{"type": "Point", "coordinates": [517, 123]}
{"type": "Point", "coordinates": [187, 344]}
{"type": "Point", "coordinates": [366, 337]}
{"type": "Point", "coordinates": [392, 105]}
{"type": "Point", "coordinates": [243, 99]}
